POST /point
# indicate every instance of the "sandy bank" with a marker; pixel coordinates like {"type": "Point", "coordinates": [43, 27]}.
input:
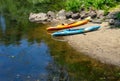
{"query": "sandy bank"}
{"type": "Point", "coordinates": [103, 44]}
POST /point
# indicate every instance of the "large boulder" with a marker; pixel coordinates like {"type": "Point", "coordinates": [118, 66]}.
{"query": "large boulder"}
{"type": "Point", "coordinates": [51, 14]}
{"type": "Point", "coordinates": [39, 17]}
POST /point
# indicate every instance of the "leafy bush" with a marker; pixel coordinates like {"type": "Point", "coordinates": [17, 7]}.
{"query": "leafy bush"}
{"type": "Point", "coordinates": [38, 1]}
{"type": "Point", "coordinates": [118, 15]}
{"type": "Point", "coordinates": [74, 5]}
{"type": "Point", "coordinates": [103, 4]}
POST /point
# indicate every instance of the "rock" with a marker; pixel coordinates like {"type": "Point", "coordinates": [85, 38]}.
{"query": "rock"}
{"type": "Point", "coordinates": [92, 14]}
{"type": "Point", "coordinates": [51, 14]}
{"type": "Point", "coordinates": [69, 14]}
{"type": "Point", "coordinates": [114, 23]}
{"type": "Point", "coordinates": [49, 20]}
{"type": "Point", "coordinates": [75, 16]}
{"type": "Point", "coordinates": [71, 20]}
{"type": "Point", "coordinates": [40, 17]}
{"type": "Point", "coordinates": [100, 14]}
{"type": "Point", "coordinates": [98, 21]}
{"type": "Point", "coordinates": [112, 15]}
{"type": "Point", "coordinates": [61, 14]}
{"type": "Point", "coordinates": [117, 23]}
{"type": "Point", "coordinates": [106, 20]}
{"type": "Point", "coordinates": [84, 14]}
{"type": "Point", "coordinates": [111, 21]}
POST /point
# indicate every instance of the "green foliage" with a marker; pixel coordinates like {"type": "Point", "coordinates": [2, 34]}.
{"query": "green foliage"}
{"type": "Point", "coordinates": [38, 1]}
{"type": "Point", "coordinates": [74, 5]}
{"type": "Point", "coordinates": [9, 6]}
{"type": "Point", "coordinates": [103, 4]}
{"type": "Point", "coordinates": [118, 15]}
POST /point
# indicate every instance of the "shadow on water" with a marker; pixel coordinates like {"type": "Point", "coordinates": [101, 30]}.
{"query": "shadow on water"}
{"type": "Point", "coordinates": [2, 23]}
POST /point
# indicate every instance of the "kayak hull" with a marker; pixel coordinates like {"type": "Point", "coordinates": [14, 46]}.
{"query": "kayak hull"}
{"type": "Point", "coordinates": [75, 31]}
{"type": "Point", "coordinates": [59, 27]}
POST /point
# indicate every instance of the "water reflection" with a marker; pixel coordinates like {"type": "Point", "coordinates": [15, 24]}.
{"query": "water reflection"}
{"type": "Point", "coordinates": [24, 61]}
{"type": "Point", "coordinates": [2, 23]}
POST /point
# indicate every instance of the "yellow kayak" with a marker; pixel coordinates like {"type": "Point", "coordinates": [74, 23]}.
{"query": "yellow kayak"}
{"type": "Point", "coordinates": [65, 26]}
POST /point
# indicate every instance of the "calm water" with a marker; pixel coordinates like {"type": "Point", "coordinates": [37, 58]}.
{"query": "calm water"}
{"type": "Point", "coordinates": [24, 61]}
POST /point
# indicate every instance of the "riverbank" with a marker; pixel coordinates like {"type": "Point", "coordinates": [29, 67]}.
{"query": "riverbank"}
{"type": "Point", "coordinates": [103, 45]}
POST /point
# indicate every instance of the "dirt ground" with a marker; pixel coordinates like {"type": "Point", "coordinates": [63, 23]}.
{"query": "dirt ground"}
{"type": "Point", "coordinates": [103, 44]}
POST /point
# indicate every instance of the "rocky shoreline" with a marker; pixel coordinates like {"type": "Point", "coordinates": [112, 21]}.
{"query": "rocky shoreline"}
{"type": "Point", "coordinates": [98, 16]}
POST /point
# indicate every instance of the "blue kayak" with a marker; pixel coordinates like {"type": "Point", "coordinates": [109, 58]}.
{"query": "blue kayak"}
{"type": "Point", "coordinates": [75, 31]}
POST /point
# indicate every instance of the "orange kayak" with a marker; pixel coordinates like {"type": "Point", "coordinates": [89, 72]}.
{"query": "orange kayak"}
{"type": "Point", "coordinates": [65, 26]}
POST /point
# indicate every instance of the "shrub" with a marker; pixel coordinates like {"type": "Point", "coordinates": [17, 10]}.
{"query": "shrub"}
{"type": "Point", "coordinates": [75, 5]}
{"type": "Point", "coordinates": [118, 15]}
{"type": "Point", "coordinates": [38, 1]}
